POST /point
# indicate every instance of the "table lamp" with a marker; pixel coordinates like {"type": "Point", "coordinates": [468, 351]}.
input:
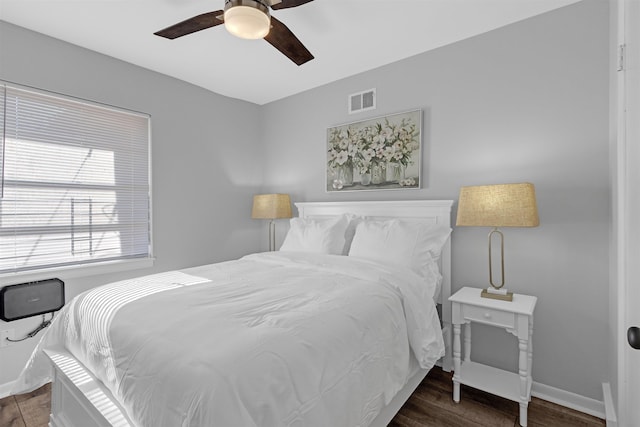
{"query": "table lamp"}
{"type": "Point", "coordinates": [271, 207]}
{"type": "Point", "coordinates": [502, 205]}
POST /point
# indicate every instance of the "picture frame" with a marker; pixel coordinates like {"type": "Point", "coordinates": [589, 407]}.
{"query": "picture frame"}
{"type": "Point", "coordinates": [380, 153]}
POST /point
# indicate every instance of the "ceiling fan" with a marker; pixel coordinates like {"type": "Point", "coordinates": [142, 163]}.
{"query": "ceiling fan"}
{"type": "Point", "coordinates": [249, 19]}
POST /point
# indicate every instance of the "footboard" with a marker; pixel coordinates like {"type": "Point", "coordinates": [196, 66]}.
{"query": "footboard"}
{"type": "Point", "coordinates": [78, 399]}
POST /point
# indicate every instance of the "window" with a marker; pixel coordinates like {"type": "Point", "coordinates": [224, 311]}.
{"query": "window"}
{"type": "Point", "coordinates": [74, 182]}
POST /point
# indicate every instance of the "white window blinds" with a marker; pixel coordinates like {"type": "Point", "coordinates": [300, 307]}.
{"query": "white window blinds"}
{"type": "Point", "coordinates": [74, 182]}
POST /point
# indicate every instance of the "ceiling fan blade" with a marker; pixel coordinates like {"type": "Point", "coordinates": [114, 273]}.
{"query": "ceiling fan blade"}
{"type": "Point", "coordinates": [285, 4]}
{"type": "Point", "coordinates": [281, 37]}
{"type": "Point", "coordinates": [191, 25]}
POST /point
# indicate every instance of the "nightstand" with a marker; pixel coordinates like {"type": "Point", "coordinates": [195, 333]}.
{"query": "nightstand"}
{"type": "Point", "coordinates": [517, 318]}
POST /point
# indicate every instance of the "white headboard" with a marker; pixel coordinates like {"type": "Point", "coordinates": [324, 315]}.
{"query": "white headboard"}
{"type": "Point", "coordinates": [439, 211]}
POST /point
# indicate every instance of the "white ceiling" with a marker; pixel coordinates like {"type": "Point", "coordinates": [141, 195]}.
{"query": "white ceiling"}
{"type": "Point", "coordinates": [345, 36]}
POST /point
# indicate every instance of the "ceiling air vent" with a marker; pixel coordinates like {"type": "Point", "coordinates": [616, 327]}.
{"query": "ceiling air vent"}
{"type": "Point", "coordinates": [362, 101]}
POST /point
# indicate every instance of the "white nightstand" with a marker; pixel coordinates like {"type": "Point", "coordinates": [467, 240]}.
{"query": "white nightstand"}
{"type": "Point", "coordinates": [517, 318]}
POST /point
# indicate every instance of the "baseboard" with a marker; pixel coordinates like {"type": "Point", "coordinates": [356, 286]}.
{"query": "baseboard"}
{"type": "Point", "coordinates": [5, 389]}
{"type": "Point", "coordinates": [609, 406]}
{"type": "Point", "coordinates": [570, 400]}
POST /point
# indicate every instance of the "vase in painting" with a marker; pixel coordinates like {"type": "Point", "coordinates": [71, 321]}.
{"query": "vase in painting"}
{"type": "Point", "coordinates": [345, 174]}
{"type": "Point", "coordinates": [365, 178]}
{"type": "Point", "coordinates": [378, 173]}
{"type": "Point", "coordinates": [395, 172]}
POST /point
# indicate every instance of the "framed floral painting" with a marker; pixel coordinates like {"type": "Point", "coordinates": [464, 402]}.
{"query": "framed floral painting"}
{"type": "Point", "coordinates": [382, 153]}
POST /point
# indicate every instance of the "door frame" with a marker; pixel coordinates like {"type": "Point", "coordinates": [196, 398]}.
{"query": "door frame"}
{"type": "Point", "coordinates": [626, 209]}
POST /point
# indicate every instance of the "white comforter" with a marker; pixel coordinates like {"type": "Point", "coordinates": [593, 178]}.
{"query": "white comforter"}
{"type": "Point", "coordinates": [272, 339]}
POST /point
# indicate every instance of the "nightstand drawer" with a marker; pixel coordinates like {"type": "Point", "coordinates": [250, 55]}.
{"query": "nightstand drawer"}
{"type": "Point", "coordinates": [489, 316]}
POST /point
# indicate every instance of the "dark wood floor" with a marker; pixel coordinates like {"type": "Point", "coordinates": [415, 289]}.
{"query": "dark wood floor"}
{"type": "Point", "coordinates": [26, 410]}
{"type": "Point", "coordinates": [430, 405]}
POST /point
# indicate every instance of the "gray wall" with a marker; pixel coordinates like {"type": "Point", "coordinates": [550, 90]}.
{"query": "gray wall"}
{"type": "Point", "coordinates": [206, 161]}
{"type": "Point", "coordinates": [527, 102]}
{"type": "Point", "coordinates": [614, 327]}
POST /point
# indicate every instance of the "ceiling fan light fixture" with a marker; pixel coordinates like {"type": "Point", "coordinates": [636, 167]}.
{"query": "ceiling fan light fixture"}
{"type": "Point", "coordinates": [247, 19]}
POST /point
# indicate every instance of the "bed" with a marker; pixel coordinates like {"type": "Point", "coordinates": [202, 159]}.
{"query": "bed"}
{"type": "Point", "coordinates": [284, 338]}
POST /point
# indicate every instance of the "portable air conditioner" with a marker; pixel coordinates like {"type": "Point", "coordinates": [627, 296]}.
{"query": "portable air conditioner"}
{"type": "Point", "coordinates": [31, 298]}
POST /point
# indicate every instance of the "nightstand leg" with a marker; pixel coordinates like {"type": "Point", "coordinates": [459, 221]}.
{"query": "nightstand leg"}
{"type": "Point", "coordinates": [523, 364]}
{"type": "Point", "coordinates": [530, 354]}
{"type": "Point", "coordinates": [456, 363]}
{"type": "Point", "coordinates": [467, 342]}
{"type": "Point", "coordinates": [523, 414]}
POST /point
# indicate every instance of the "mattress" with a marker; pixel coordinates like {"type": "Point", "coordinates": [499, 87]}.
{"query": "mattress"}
{"type": "Point", "coordinates": [271, 339]}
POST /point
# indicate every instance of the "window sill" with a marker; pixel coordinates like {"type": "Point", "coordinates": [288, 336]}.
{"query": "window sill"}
{"type": "Point", "coordinates": [69, 272]}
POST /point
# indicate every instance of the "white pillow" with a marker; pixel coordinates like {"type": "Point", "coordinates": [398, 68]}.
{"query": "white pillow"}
{"type": "Point", "coordinates": [325, 236]}
{"type": "Point", "coordinates": [354, 220]}
{"type": "Point", "coordinates": [412, 244]}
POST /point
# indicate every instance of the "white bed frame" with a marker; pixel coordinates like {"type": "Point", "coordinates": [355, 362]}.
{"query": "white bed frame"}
{"type": "Point", "coordinates": [80, 400]}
